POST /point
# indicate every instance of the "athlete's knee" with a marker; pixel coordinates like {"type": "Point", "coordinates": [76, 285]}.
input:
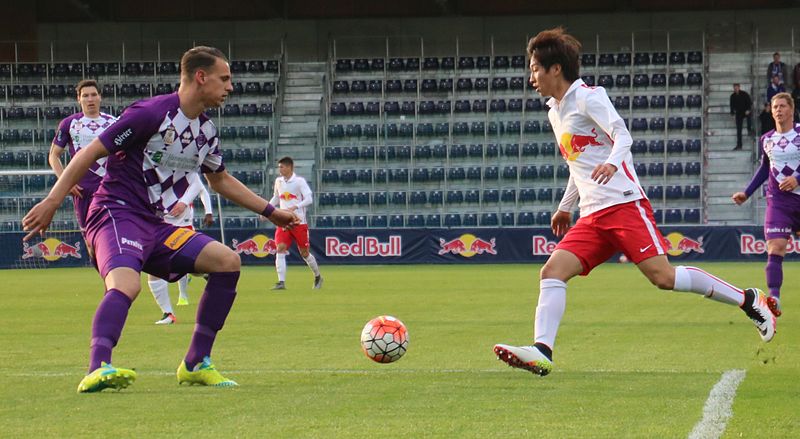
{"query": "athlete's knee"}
{"type": "Point", "coordinates": [304, 252]}
{"type": "Point", "coordinates": [553, 271]}
{"type": "Point", "coordinates": [228, 261]}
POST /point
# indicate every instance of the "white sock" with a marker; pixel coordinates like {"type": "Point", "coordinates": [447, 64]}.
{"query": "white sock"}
{"type": "Point", "coordinates": [552, 302]}
{"type": "Point", "coordinates": [160, 289]}
{"type": "Point", "coordinates": [312, 263]}
{"type": "Point", "coordinates": [280, 266]}
{"type": "Point", "coordinates": [695, 280]}
{"type": "Point", "coordinates": [183, 287]}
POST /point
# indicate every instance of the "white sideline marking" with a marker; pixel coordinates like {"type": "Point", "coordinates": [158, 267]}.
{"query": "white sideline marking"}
{"type": "Point", "coordinates": [717, 410]}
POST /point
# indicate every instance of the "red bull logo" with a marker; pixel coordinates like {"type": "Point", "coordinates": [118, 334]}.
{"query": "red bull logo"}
{"type": "Point", "coordinates": [259, 246]}
{"type": "Point", "coordinates": [51, 249]}
{"type": "Point", "coordinates": [677, 244]}
{"type": "Point", "coordinates": [543, 246]}
{"type": "Point", "coordinates": [364, 246]}
{"type": "Point", "coordinates": [467, 245]}
{"type": "Point", "coordinates": [572, 145]}
{"type": "Point", "coordinates": [750, 245]}
{"type": "Point", "coordinates": [288, 196]}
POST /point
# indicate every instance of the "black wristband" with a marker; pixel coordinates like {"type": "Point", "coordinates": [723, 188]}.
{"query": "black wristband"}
{"type": "Point", "coordinates": [268, 210]}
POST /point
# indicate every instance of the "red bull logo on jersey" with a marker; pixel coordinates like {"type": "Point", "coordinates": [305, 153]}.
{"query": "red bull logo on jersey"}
{"type": "Point", "coordinates": [467, 245]}
{"type": "Point", "coordinates": [51, 249]}
{"type": "Point", "coordinates": [573, 145]}
{"type": "Point", "coordinates": [750, 245]}
{"type": "Point", "coordinates": [676, 244]}
{"type": "Point", "coordinates": [288, 196]}
{"type": "Point", "coordinates": [259, 246]}
{"type": "Point", "coordinates": [543, 246]}
{"type": "Point", "coordinates": [364, 246]}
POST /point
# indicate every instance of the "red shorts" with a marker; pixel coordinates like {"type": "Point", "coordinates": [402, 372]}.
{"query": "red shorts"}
{"type": "Point", "coordinates": [629, 228]}
{"type": "Point", "coordinates": [298, 233]}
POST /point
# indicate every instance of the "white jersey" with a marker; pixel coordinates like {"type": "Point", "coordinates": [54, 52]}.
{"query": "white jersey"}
{"type": "Point", "coordinates": [195, 188]}
{"type": "Point", "coordinates": [590, 132]}
{"type": "Point", "coordinates": [293, 191]}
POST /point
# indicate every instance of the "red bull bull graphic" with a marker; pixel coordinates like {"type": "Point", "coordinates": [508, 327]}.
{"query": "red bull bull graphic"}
{"type": "Point", "coordinates": [288, 196]}
{"type": "Point", "coordinates": [259, 246]}
{"type": "Point", "coordinates": [543, 246]}
{"type": "Point", "coordinates": [677, 244]}
{"type": "Point", "coordinates": [51, 249]}
{"type": "Point", "coordinates": [364, 246]}
{"type": "Point", "coordinates": [750, 245]}
{"type": "Point", "coordinates": [467, 245]}
{"type": "Point", "coordinates": [572, 145]}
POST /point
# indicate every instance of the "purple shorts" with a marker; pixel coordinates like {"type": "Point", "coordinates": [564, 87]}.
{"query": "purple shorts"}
{"type": "Point", "coordinates": [82, 204]}
{"type": "Point", "coordinates": [782, 217]}
{"type": "Point", "coordinates": [124, 238]}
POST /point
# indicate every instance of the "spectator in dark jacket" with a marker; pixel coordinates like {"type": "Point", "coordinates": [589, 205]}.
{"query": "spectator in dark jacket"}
{"type": "Point", "coordinates": [774, 88]}
{"type": "Point", "coordinates": [777, 68]}
{"type": "Point", "coordinates": [741, 107]}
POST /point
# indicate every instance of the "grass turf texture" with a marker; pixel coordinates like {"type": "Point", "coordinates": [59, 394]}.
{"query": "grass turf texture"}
{"type": "Point", "coordinates": [630, 360]}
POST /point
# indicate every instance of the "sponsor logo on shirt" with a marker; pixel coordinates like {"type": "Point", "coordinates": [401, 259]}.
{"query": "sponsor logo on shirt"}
{"type": "Point", "coordinates": [169, 135]}
{"type": "Point", "coordinates": [175, 161]}
{"type": "Point", "coordinates": [131, 243]}
{"type": "Point", "coordinates": [122, 136]}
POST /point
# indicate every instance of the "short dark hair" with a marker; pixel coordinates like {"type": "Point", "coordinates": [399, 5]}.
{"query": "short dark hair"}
{"type": "Point", "coordinates": [776, 53]}
{"type": "Point", "coordinates": [286, 161]}
{"type": "Point", "coordinates": [86, 83]}
{"type": "Point", "coordinates": [555, 46]}
{"type": "Point", "coordinates": [199, 57]}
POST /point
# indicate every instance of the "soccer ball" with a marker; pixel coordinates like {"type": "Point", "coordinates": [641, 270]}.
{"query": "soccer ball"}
{"type": "Point", "coordinates": [384, 339]}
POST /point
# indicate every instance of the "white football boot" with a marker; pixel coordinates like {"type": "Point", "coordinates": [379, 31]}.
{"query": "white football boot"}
{"type": "Point", "coordinates": [528, 358]}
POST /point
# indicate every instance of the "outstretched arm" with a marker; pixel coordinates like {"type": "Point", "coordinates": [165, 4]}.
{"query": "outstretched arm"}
{"type": "Point", "coordinates": [232, 189]}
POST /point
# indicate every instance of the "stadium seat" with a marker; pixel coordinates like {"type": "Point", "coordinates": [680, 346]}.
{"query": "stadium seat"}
{"type": "Point", "coordinates": [472, 196]}
{"type": "Point", "coordinates": [675, 101]}
{"type": "Point", "coordinates": [674, 146]}
{"type": "Point", "coordinates": [419, 197]}
{"type": "Point", "coordinates": [378, 221]}
{"type": "Point", "coordinates": [655, 192]}
{"type": "Point", "coordinates": [393, 86]}
{"type": "Point", "coordinates": [376, 64]}
{"type": "Point", "coordinates": [562, 171]}
{"type": "Point", "coordinates": [499, 84]}
{"type": "Point", "coordinates": [656, 147]}
{"type": "Point", "coordinates": [658, 80]}
{"type": "Point", "coordinates": [488, 219]}
{"type": "Point", "coordinates": [415, 221]}
{"type": "Point", "coordinates": [694, 57]}
{"type": "Point", "coordinates": [656, 124]}
{"type": "Point", "coordinates": [674, 192]}
{"type": "Point", "coordinates": [345, 199]}
{"type": "Point", "coordinates": [639, 124]}
{"type": "Point", "coordinates": [640, 168]}
{"type": "Point", "coordinates": [437, 174]}
{"type": "Point", "coordinates": [588, 60]}
{"type": "Point", "coordinates": [466, 62]}
{"type": "Point", "coordinates": [675, 123]}
{"type": "Point", "coordinates": [508, 195]}
{"type": "Point", "coordinates": [516, 83]}
{"type": "Point", "coordinates": [677, 58]}
{"type": "Point", "coordinates": [359, 221]}
{"type": "Point", "coordinates": [692, 168]}
{"type": "Point", "coordinates": [452, 220]}
{"type": "Point", "coordinates": [675, 168]}
{"type": "Point", "coordinates": [454, 197]}
{"type": "Point", "coordinates": [691, 192]}
{"type": "Point", "coordinates": [694, 79]}
{"type": "Point", "coordinates": [491, 196]}
{"type": "Point", "coordinates": [497, 106]}
{"type": "Point", "coordinates": [323, 222]}
{"type": "Point", "coordinates": [622, 102]}
{"type": "Point", "coordinates": [481, 84]}
{"type": "Point", "coordinates": [672, 216]}
{"type": "Point", "coordinates": [510, 173]}
{"type": "Point", "coordinates": [533, 104]}
{"type": "Point", "coordinates": [623, 81]}
{"type": "Point", "coordinates": [436, 198]}
{"type": "Point", "coordinates": [659, 58]}
{"type": "Point", "coordinates": [641, 59]}
{"type": "Point", "coordinates": [693, 146]}
{"type": "Point", "coordinates": [507, 219]}
{"type": "Point", "coordinates": [430, 63]}
{"type": "Point", "coordinates": [694, 101]}
{"type": "Point", "coordinates": [379, 198]}
{"type": "Point", "coordinates": [469, 220]}
{"type": "Point", "coordinates": [691, 216]}
{"type": "Point", "coordinates": [605, 60]}
{"type": "Point", "coordinates": [433, 220]}
{"type": "Point", "coordinates": [588, 79]}
{"type": "Point", "coordinates": [676, 80]}
{"type": "Point", "coordinates": [606, 81]}
{"type": "Point", "coordinates": [546, 172]}
{"type": "Point", "coordinates": [532, 127]}
{"type": "Point", "coordinates": [693, 123]}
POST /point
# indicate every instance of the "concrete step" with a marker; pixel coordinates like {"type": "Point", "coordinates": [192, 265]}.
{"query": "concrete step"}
{"type": "Point", "coordinates": [302, 104]}
{"type": "Point", "coordinates": [299, 118]}
{"type": "Point", "coordinates": [302, 96]}
{"type": "Point", "coordinates": [306, 67]}
{"type": "Point", "coordinates": [315, 89]}
{"type": "Point", "coordinates": [303, 127]}
{"type": "Point", "coordinates": [298, 135]}
{"type": "Point", "coordinates": [728, 177]}
{"type": "Point", "coordinates": [301, 111]}
{"type": "Point", "coordinates": [305, 81]}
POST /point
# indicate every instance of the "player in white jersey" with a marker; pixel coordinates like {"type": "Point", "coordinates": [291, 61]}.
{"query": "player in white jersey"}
{"type": "Point", "coordinates": [780, 165]}
{"type": "Point", "coordinates": [73, 134]}
{"type": "Point", "coordinates": [294, 195]}
{"type": "Point", "coordinates": [182, 216]}
{"type": "Point", "coordinates": [615, 213]}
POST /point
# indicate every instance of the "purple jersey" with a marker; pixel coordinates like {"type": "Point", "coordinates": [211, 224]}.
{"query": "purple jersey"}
{"type": "Point", "coordinates": [153, 149]}
{"type": "Point", "coordinates": [780, 160]}
{"type": "Point", "coordinates": [77, 131]}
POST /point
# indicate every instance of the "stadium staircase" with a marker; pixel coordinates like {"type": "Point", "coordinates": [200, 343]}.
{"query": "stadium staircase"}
{"type": "Point", "coordinates": [300, 117]}
{"type": "Point", "coordinates": [727, 171]}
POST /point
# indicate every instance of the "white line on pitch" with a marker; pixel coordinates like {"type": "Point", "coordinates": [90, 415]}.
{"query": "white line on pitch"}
{"type": "Point", "coordinates": [718, 408]}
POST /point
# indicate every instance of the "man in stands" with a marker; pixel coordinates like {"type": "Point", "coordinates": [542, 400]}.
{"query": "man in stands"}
{"type": "Point", "coordinates": [741, 107]}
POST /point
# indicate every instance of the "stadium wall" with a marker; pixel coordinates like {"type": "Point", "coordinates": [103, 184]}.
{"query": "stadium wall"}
{"type": "Point", "coordinates": [308, 40]}
{"type": "Point", "coordinates": [413, 246]}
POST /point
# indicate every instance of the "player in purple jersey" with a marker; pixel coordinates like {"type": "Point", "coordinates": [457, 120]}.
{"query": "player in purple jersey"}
{"type": "Point", "coordinates": [152, 149]}
{"type": "Point", "coordinates": [75, 133]}
{"type": "Point", "coordinates": [780, 166]}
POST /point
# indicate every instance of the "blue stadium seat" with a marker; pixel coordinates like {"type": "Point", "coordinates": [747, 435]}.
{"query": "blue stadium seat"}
{"type": "Point", "coordinates": [474, 173]}
{"type": "Point", "coordinates": [533, 104]}
{"type": "Point", "coordinates": [379, 198]}
{"type": "Point", "coordinates": [530, 149]}
{"type": "Point", "coordinates": [362, 198]}
{"type": "Point", "coordinates": [345, 199]}
{"type": "Point", "coordinates": [481, 84]}
{"type": "Point", "coordinates": [674, 192]}
{"type": "Point", "coordinates": [469, 220]}
{"type": "Point", "coordinates": [398, 175]}
{"type": "Point", "coordinates": [675, 101]}
{"type": "Point", "coordinates": [656, 124]}
{"type": "Point", "coordinates": [672, 216]}
{"type": "Point", "coordinates": [359, 222]}
{"type": "Point", "coordinates": [454, 197]}
{"type": "Point", "coordinates": [529, 172]}
{"type": "Point", "coordinates": [641, 169]}
{"type": "Point", "coordinates": [491, 173]}
{"type": "Point", "coordinates": [510, 173]}
{"type": "Point", "coordinates": [437, 174]}
{"type": "Point", "coordinates": [508, 195]}
{"type": "Point", "coordinates": [588, 60]}
{"type": "Point", "coordinates": [545, 195]}
{"type": "Point", "coordinates": [489, 219]}
{"type": "Point", "coordinates": [415, 221]}
{"type": "Point", "coordinates": [655, 192]}
{"type": "Point", "coordinates": [694, 101]}
{"type": "Point", "coordinates": [691, 192]}
{"type": "Point", "coordinates": [675, 123]}
{"type": "Point", "coordinates": [677, 58]}
{"type": "Point", "coordinates": [419, 197]}
{"type": "Point", "coordinates": [472, 196]}
{"type": "Point", "coordinates": [456, 174]}
{"type": "Point", "coordinates": [499, 84]}
{"type": "Point", "coordinates": [436, 198]}
{"type": "Point", "coordinates": [639, 147]}
{"type": "Point", "coordinates": [378, 221]}
{"type": "Point", "coordinates": [693, 123]}
{"type": "Point", "coordinates": [675, 168]}
{"type": "Point", "coordinates": [677, 80]}
{"type": "Point", "coordinates": [410, 86]}
{"type": "Point", "coordinates": [674, 146]}
{"type": "Point", "coordinates": [497, 106]}
{"type": "Point", "coordinates": [430, 63]}
{"type": "Point", "coordinates": [656, 147]}
{"type": "Point", "coordinates": [398, 198]}
{"type": "Point", "coordinates": [482, 62]}
{"type": "Point", "coordinates": [546, 172]}
{"type": "Point", "coordinates": [507, 219]}
{"type": "Point", "coordinates": [458, 151]}
{"type": "Point", "coordinates": [693, 146]}
{"type": "Point", "coordinates": [694, 57]}
{"type": "Point", "coordinates": [543, 218]}
{"type": "Point", "coordinates": [516, 83]}
{"type": "Point", "coordinates": [532, 127]}
{"type": "Point", "coordinates": [641, 80]}
{"type": "Point", "coordinates": [692, 168]}
{"type": "Point", "coordinates": [562, 171]}
{"type": "Point", "coordinates": [641, 59]}
{"type": "Point", "coordinates": [491, 196]}
{"type": "Point", "coordinates": [420, 175]}
{"type": "Point", "coordinates": [691, 216]}
{"type": "Point", "coordinates": [588, 79]}
{"type": "Point", "coordinates": [622, 102]}
{"type": "Point", "coordinates": [606, 81]}
{"type": "Point", "coordinates": [394, 86]}
{"type": "Point", "coordinates": [639, 124]}
{"type": "Point", "coordinates": [433, 220]}
{"type": "Point", "coordinates": [323, 222]}
{"type": "Point", "coordinates": [623, 81]}
{"type": "Point", "coordinates": [452, 220]}
{"type": "Point", "coordinates": [659, 58]}
{"type": "Point", "coordinates": [694, 79]}
{"type": "Point", "coordinates": [527, 195]}
{"type": "Point", "coordinates": [606, 59]}
{"type": "Point", "coordinates": [658, 80]}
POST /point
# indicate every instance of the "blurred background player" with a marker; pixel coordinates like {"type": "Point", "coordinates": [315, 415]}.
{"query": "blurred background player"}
{"type": "Point", "coordinates": [294, 195]}
{"type": "Point", "coordinates": [152, 150]}
{"type": "Point", "coordinates": [615, 214]}
{"type": "Point", "coordinates": [74, 133]}
{"type": "Point", "coordinates": [181, 215]}
{"type": "Point", "coordinates": [780, 165]}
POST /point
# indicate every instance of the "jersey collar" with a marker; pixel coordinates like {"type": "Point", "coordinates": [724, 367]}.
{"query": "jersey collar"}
{"type": "Point", "coordinates": [553, 103]}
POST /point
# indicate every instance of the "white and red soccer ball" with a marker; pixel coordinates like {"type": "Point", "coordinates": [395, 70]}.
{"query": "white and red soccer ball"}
{"type": "Point", "coordinates": [384, 339]}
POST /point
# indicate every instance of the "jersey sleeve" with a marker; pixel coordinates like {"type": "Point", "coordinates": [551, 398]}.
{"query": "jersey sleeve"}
{"type": "Point", "coordinates": [212, 163]}
{"type": "Point", "coordinates": [570, 195]}
{"type": "Point", "coordinates": [275, 197]}
{"type": "Point", "coordinates": [132, 130]}
{"type": "Point", "coordinates": [62, 137]}
{"type": "Point", "coordinates": [307, 196]}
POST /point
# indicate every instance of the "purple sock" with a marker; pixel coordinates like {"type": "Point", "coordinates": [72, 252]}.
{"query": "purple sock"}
{"type": "Point", "coordinates": [774, 272]}
{"type": "Point", "coordinates": [214, 306]}
{"type": "Point", "coordinates": [107, 326]}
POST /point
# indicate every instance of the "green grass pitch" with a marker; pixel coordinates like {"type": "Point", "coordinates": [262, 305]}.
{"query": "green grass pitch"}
{"type": "Point", "coordinates": [630, 360]}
